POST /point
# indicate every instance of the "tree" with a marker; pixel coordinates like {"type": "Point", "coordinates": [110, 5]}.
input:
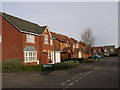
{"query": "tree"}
{"type": "Point", "coordinates": [88, 37]}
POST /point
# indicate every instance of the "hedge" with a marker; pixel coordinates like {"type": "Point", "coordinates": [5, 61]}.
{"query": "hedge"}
{"type": "Point", "coordinates": [78, 59]}
{"type": "Point", "coordinates": [17, 65]}
{"type": "Point", "coordinates": [12, 65]}
{"type": "Point", "coordinates": [66, 64]}
{"type": "Point", "coordinates": [88, 61]}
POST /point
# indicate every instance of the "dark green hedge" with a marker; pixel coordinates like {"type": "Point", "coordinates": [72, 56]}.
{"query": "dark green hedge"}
{"type": "Point", "coordinates": [88, 61]}
{"type": "Point", "coordinates": [12, 65]}
{"type": "Point", "coordinates": [66, 64]}
{"type": "Point", "coordinates": [78, 59]}
{"type": "Point", "coordinates": [16, 65]}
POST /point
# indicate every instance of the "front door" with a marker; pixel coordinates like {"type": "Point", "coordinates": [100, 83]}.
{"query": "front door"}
{"type": "Point", "coordinates": [69, 55]}
{"type": "Point", "coordinates": [44, 58]}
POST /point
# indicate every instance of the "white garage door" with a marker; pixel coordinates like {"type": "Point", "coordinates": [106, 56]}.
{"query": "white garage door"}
{"type": "Point", "coordinates": [57, 55]}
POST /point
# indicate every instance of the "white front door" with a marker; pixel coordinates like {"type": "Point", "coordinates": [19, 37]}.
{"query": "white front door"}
{"type": "Point", "coordinates": [57, 57]}
{"type": "Point", "coordinates": [79, 54]}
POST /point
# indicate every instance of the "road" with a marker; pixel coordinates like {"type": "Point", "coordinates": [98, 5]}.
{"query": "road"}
{"type": "Point", "coordinates": [101, 74]}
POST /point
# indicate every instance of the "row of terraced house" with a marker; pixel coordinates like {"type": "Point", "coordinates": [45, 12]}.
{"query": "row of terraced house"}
{"type": "Point", "coordinates": [35, 44]}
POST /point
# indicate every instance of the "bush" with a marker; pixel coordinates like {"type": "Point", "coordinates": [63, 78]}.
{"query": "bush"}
{"type": "Point", "coordinates": [66, 64]}
{"type": "Point", "coordinates": [17, 65]}
{"type": "Point", "coordinates": [12, 65]}
{"type": "Point", "coordinates": [78, 59]}
{"type": "Point", "coordinates": [88, 61]}
{"type": "Point", "coordinates": [33, 68]}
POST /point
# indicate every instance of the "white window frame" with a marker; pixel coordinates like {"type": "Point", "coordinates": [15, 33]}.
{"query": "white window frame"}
{"type": "Point", "coordinates": [111, 50]}
{"type": "Point", "coordinates": [0, 38]}
{"type": "Point", "coordinates": [45, 39]}
{"type": "Point", "coordinates": [105, 50]}
{"type": "Point", "coordinates": [66, 45]}
{"type": "Point", "coordinates": [28, 56]}
{"type": "Point", "coordinates": [51, 42]}
{"type": "Point", "coordinates": [76, 45]}
{"type": "Point", "coordinates": [30, 38]}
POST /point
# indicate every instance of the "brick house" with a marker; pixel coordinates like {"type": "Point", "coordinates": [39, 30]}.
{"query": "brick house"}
{"type": "Point", "coordinates": [104, 50]}
{"type": "Point", "coordinates": [25, 40]}
{"type": "Point", "coordinates": [73, 48]}
{"type": "Point", "coordinates": [118, 51]}
{"type": "Point", "coordinates": [98, 50]}
{"type": "Point", "coordinates": [59, 43]}
{"type": "Point", "coordinates": [85, 49]}
{"type": "Point", "coordinates": [109, 49]}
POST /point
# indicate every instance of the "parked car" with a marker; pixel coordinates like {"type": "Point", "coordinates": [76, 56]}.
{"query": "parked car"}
{"type": "Point", "coordinates": [98, 56]}
{"type": "Point", "coordinates": [94, 57]}
{"type": "Point", "coordinates": [102, 56]}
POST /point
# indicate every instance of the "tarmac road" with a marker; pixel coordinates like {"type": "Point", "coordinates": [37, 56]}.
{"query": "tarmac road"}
{"type": "Point", "coordinates": [101, 74]}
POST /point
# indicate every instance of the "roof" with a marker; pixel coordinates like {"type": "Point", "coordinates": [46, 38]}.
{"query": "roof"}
{"type": "Point", "coordinates": [29, 48]}
{"type": "Point", "coordinates": [24, 25]}
{"type": "Point", "coordinates": [82, 43]}
{"type": "Point", "coordinates": [66, 49]}
{"type": "Point", "coordinates": [66, 37]}
{"type": "Point", "coordinates": [110, 46]}
{"type": "Point", "coordinates": [73, 40]}
{"type": "Point", "coordinates": [58, 37]}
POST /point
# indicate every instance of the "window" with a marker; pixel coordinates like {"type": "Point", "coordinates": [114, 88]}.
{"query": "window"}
{"type": "Point", "coordinates": [111, 50]}
{"type": "Point", "coordinates": [76, 45]}
{"type": "Point", "coordinates": [66, 45]}
{"type": "Point", "coordinates": [49, 55]}
{"type": "Point", "coordinates": [105, 50]}
{"type": "Point", "coordinates": [30, 38]}
{"type": "Point", "coordinates": [62, 44]}
{"type": "Point", "coordinates": [0, 38]}
{"type": "Point", "coordinates": [51, 43]}
{"type": "Point", "coordinates": [45, 39]}
{"type": "Point", "coordinates": [30, 56]}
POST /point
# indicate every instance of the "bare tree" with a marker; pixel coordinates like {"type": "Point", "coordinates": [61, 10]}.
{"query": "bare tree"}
{"type": "Point", "coordinates": [88, 37]}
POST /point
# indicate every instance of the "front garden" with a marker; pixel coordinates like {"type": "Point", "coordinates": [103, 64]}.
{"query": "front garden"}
{"type": "Point", "coordinates": [16, 65]}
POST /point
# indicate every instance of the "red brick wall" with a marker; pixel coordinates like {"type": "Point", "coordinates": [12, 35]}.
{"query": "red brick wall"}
{"type": "Point", "coordinates": [75, 55]}
{"type": "Point", "coordinates": [11, 41]}
{"type": "Point", "coordinates": [36, 45]}
{"type": "Point", "coordinates": [45, 47]}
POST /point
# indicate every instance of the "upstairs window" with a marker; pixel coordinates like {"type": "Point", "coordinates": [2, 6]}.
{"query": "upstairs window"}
{"type": "Point", "coordinates": [30, 38]}
{"type": "Point", "coordinates": [76, 45]}
{"type": "Point", "coordinates": [51, 43]}
{"type": "Point", "coordinates": [45, 39]}
{"type": "Point", "coordinates": [111, 50]}
{"type": "Point", "coordinates": [0, 38]}
{"type": "Point", "coordinates": [66, 45]}
{"type": "Point", "coordinates": [105, 50]}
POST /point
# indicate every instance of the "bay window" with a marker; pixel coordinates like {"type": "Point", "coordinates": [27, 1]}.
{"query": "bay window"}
{"type": "Point", "coordinates": [30, 56]}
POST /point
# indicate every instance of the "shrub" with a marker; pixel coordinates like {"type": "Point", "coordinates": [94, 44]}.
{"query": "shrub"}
{"type": "Point", "coordinates": [12, 65]}
{"type": "Point", "coordinates": [78, 59]}
{"type": "Point", "coordinates": [88, 61]}
{"type": "Point", "coordinates": [66, 64]}
{"type": "Point", "coordinates": [33, 68]}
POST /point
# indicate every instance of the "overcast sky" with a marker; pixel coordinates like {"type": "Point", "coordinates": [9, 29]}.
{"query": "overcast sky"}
{"type": "Point", "coordinates": [71, 18]}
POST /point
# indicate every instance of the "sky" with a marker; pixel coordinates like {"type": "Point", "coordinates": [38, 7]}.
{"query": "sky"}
{"type": "Point", "coordinates": [71, 18]}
